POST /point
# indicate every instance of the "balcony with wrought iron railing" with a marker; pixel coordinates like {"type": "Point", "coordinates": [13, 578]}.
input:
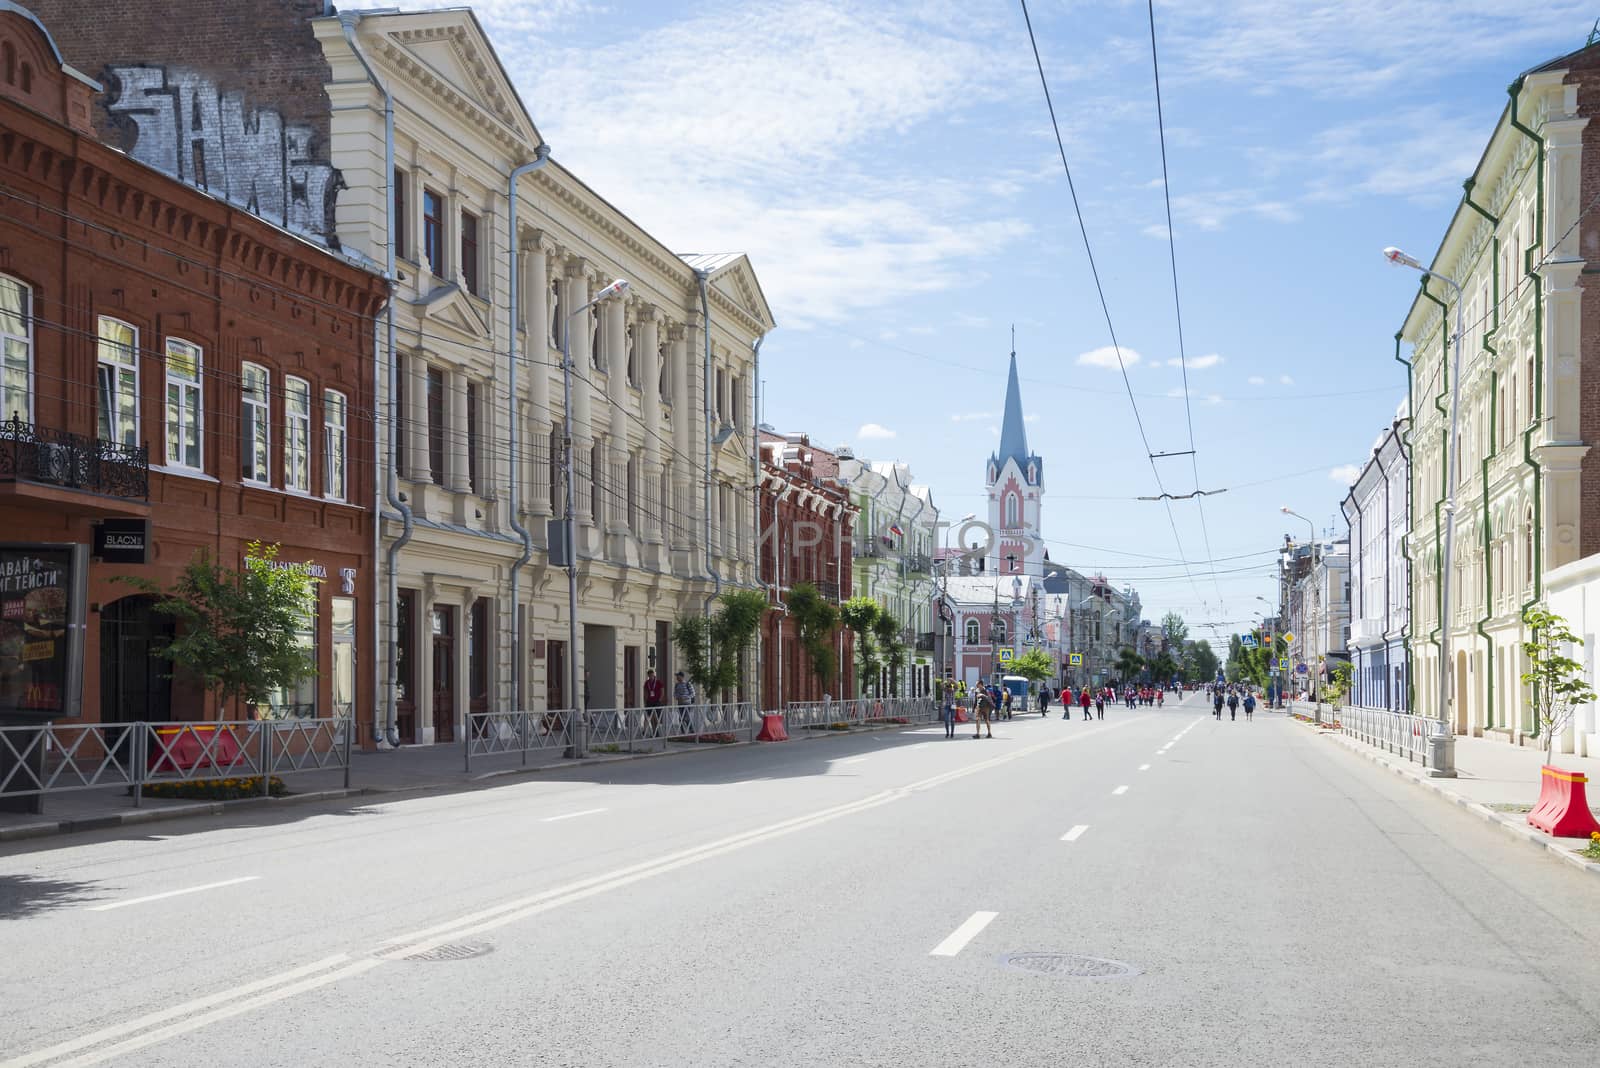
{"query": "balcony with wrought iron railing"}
{"type": "Point", "coordinates": [916, 563]}
{"type": "Point", "coordinates": [41, 456]}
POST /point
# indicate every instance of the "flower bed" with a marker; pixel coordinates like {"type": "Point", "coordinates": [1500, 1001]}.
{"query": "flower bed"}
{"type": "Point", "coordinates": [717, 738]}
{"type": "Point", "coordinates": [215, 789]}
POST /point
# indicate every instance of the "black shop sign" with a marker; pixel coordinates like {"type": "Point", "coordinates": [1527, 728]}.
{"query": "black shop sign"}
{"type": "Point", "coordinates": [122, 541]}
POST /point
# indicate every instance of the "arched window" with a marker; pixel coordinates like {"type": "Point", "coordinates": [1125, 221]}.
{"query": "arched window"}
{"type": "Point", "coordinates": [972, 632]}
{"type": "Point", "coordinates": [16, 350]}
{"type": "Point", "coordinates": [1527, 549]}
{"type": "Point", "coordinates": [1011, 511]}
{"type": "Point", "coordinates": [998, 630]}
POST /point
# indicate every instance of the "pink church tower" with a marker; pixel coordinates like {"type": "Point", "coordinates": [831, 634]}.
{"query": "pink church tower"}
{"type": "Point", "coordinates": [1016, 494]}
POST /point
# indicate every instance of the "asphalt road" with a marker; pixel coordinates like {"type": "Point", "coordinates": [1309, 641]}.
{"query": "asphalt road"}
{"type": "Point", "coordinates": [885, 899]}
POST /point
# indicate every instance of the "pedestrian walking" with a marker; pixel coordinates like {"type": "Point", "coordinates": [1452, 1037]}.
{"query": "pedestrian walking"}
{"type": "Point", "coordinates": [1099, 706]}
{"type": "Point", "coordinates": [982, 706]}
{"type": "Point", "coordinates": [1249, 705]}
{"type": "Point", "coordinates": [1233, 704]}
{"type": "Point", "coordinates": [1044, 701]}
{"type": "Point", "coordinates": [1067, 701]}
{"type": "Point", "coordinates": [1216, 702]}
{"type": "Point", "coordinates": [1005, 706]}
{"type": "Point", "coordinates": [1083, 702]}
{"type": "Point", "coordinates": [947, 712]}
{"type": "Point", "coordinates": [683, 697]}
{"type": "Point", "coordinates": [655, 695]}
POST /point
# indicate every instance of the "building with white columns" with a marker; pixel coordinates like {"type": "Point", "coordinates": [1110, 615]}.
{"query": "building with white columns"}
{"type": "Point", "coordinates": [662, 399]}
{"type": "Point", "coordinates": [1376, 511]}
{"type": "Point", "coordinates": [1527, 491]}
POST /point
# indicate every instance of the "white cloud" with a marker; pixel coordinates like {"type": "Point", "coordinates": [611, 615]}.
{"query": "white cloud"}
{"type": "Point", "coordinates": [1417, 153]}
{"type": "Point", "coordinates": [1285, 380]}
{"type": "Point", "coordinates": [1211, 398]}
{"type": "Point", "coordinates": [1345, 474]}
{"type": "Point", "coordinates": [1106, 356]}
{"type": "Point", "coordinates": [1031, 417]}
{"type": "Point", "coordinates": [874, 432]}
{"type": "Point", "coordinates": [1256, 380]}
{"type": "Point", "coordinates": [1213, 209]}
{"type": "Point", "coordinates": [971, 417]}
{"type": "Point", "coordinates": [764, 153]}
{"type": "Point", "coordinates": [1197, 363]}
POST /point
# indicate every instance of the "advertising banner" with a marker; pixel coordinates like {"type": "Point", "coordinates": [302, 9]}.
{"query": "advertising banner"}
{"type": "Point", "coordinates": [41, 630]}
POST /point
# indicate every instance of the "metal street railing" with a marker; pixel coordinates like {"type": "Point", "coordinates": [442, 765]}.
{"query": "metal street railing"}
{"type": "Point", "coordinates": [605, 730]}
{"type": "Point", "coordinates": [856, 712]}
{"type": "Point", "coordinates": [1394, 732]}
{"type": "Point", "coordinates": [56, 758]}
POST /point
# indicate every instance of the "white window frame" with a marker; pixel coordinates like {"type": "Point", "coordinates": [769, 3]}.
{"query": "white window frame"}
{"type": "Point", "coordinates": [296, 435]}
{"type": "Point", "coordinates": [181, 387]}
{"type": "Point", "coordinates": [335, 461]}
{"type": "Point", "coordinates": [113, 414]}
{"type": "Point", "coordinates": [255, 418]}
{"type": "Point", "coordinates": [7, 338]}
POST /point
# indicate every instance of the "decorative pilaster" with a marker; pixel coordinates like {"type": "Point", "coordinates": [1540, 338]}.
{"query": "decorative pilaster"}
{"type": "Point", "coordinates": [456, 442]}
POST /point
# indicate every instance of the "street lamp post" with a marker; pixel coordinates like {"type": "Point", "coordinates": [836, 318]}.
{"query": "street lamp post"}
{"type": "Point", "coordinates": [1442, 743]}
{"type": "Point", "coordinates": [578, 741]}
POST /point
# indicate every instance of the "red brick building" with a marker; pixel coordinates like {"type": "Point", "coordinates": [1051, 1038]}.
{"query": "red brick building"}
{"type": "Point", "coordinates": [806, 523]}
{"type": "Point", "coordinates": [178, 375]}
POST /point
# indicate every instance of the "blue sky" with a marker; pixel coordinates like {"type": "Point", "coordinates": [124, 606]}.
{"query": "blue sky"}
{"type": "Point", "coordinates": [890, 168]}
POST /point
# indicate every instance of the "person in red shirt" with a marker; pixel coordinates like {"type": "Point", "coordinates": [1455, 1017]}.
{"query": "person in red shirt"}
{"type": "Point", "coordinates": [1083, 702]}
{"type": "Point", "coordinates": [655, 695]}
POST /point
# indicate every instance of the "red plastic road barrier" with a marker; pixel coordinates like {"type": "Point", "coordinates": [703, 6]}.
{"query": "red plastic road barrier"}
{"type": "Point", "coordinates": [961, 715]}
{"type": "Point", "coordinates": [772, 729]}
{"type": "Point", "coordinates": [185, 748]}
{"type": "Point", "coordinates": [1563, 808]}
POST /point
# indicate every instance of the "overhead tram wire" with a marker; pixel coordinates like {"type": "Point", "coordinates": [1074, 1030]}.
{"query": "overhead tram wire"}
{"type": "Point", "coordinates": [1177, 304]}
{"type": "Point", "coordinates": [1105, 308]}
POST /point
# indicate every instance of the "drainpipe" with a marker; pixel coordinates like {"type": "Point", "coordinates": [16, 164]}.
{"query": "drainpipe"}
{"type": "Point", "coordinates": [541, 156]}
{"type": "Point", "coordinates": [755, 509]}
{"type": "Point", "coordinates": [703, 277]}
{"type": "Point", "coordinates": [391, 731]}
{"type": "Point", "coordinates": [1405, 542]}
{"type": "Point", "coordinates": [1440, 578]}
{"type": "Point", "coordinates": [777, 579]}
{"type": "Point", "coordinates": [1515, 90]}
{"type": "Point", "coordinates": [1494, 447]}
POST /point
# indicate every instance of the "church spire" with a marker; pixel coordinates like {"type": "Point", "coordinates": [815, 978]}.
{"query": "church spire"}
{"type": "Point", "coordinates": [1013, 438]}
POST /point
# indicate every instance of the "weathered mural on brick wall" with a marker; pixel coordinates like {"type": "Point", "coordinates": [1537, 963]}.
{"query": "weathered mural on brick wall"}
{"type": "Point", "coordinates": [215, 141]}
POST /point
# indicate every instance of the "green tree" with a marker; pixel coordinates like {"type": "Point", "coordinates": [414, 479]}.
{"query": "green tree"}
{"type": "Point", "coordinates": [861, 614]}
{"type": "Point", "coordinates": [238, 631]}
{"type": "Point", "coordinates": [1338, 683]}
{"type": "Point", "coordinates": [815, 620]}
{"type": "Point", "coordinates": [1128, 663]}
{"type": "Point", "coordinates": [892, 651]}
{"type": "Point", "coordinates": [1163, 667]}
{"type": "Point", "coordinates": [713, 646]}
{"type": "Point", "coordinates": [1174, 629]}
{"type": "Point", "coordinates": [1035, 665]}
{"type": "Point", "coordinates": [1557, 680]}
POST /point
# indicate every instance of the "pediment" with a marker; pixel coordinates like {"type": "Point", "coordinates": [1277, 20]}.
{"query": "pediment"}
{"type": "Point", "coordinates": [449, 306]}
{"type": "Point", "coordinates": [733, 277]}
{"type": "Point", "coordinates": [450, 48]}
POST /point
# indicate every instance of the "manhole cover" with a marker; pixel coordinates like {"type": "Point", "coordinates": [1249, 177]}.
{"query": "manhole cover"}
{"type": "Point", "coordinates": [452, 951]}
{"type": "Point", "coordinates": [1070, 965]}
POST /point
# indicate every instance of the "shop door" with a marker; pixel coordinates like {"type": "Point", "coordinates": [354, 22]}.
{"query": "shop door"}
{"type": "Point", "coordinates": [480, 649]}
{"type": "Point", "coordinates": [134, 686]}
{"type": "Point", "coordinates": [630, 678]}
{"type": "Point", "coordinates": [405, 705]}
{"type": "Point", "coordinates": [555, 676]}
{"type": "Point", "coordinates": [444, 673]}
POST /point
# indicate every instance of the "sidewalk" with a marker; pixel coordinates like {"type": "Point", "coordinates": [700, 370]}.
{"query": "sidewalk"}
{"type": "Point", "coordinates": [1495, 781]}
{"type": "Point", "coordinates": [412, 768]}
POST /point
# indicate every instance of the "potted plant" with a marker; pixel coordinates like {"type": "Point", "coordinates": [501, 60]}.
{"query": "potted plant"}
{"type": "Point", "coordinates": [1558, 686]}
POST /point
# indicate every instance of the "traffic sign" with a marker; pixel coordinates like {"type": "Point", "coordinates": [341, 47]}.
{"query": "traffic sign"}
{"type": "Point", "coordinates": [1301, 669]}
{"type": "Point", "coordinates": [1283, 662]}
{"type": "Point", "coordinates": [1247, 641]}
{"type": "Point", "coordinates": [1075, 659]}
{"type": "Point", "coordinates": [1007, 655]}
{"type": "Point", "coordinates": [1288, 636]}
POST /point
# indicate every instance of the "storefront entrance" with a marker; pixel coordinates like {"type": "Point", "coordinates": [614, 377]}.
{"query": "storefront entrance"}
{"type": "Point", "coordinates": [134, 683]}
{"type": "Point", "coordinates": [444, 673]}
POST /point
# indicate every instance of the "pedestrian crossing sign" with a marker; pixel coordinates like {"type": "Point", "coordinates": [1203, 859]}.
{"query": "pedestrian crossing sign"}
{"type": "Point", "coordinates": [1007, 655]}
{"type": "Point", "coordinates": [1248, 641]}
{"type": "Point", "coordinates": [1075, 659]}
{"type": "Point", "coordinates": [1283, 662]}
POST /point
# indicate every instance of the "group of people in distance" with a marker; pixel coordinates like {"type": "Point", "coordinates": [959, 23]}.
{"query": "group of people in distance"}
{"type": "Point", "coordinates": [988, 702]}
{"type": "Point", "coordinates": [1233, 695]}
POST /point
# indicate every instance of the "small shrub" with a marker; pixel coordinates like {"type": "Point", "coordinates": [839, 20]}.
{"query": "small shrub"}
{"type": "Point", "coordinates": [839, 726]}
{"type": "Point", "coordinates": [1592, 850]}
{"type": "Point", "coordinates": [215, 789]}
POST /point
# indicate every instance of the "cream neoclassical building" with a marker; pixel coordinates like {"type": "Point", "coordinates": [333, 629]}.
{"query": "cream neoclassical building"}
{"type": "Point", "coordinates": [653, 446]}
{"type": "Point", "coordinates": [1526, 498]}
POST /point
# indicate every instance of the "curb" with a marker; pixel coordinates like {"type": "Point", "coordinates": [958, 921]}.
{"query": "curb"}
{"type": "Point", "coordinates": [1536, 838]}
{"type": "Point", "coordinates": [134, 816]}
